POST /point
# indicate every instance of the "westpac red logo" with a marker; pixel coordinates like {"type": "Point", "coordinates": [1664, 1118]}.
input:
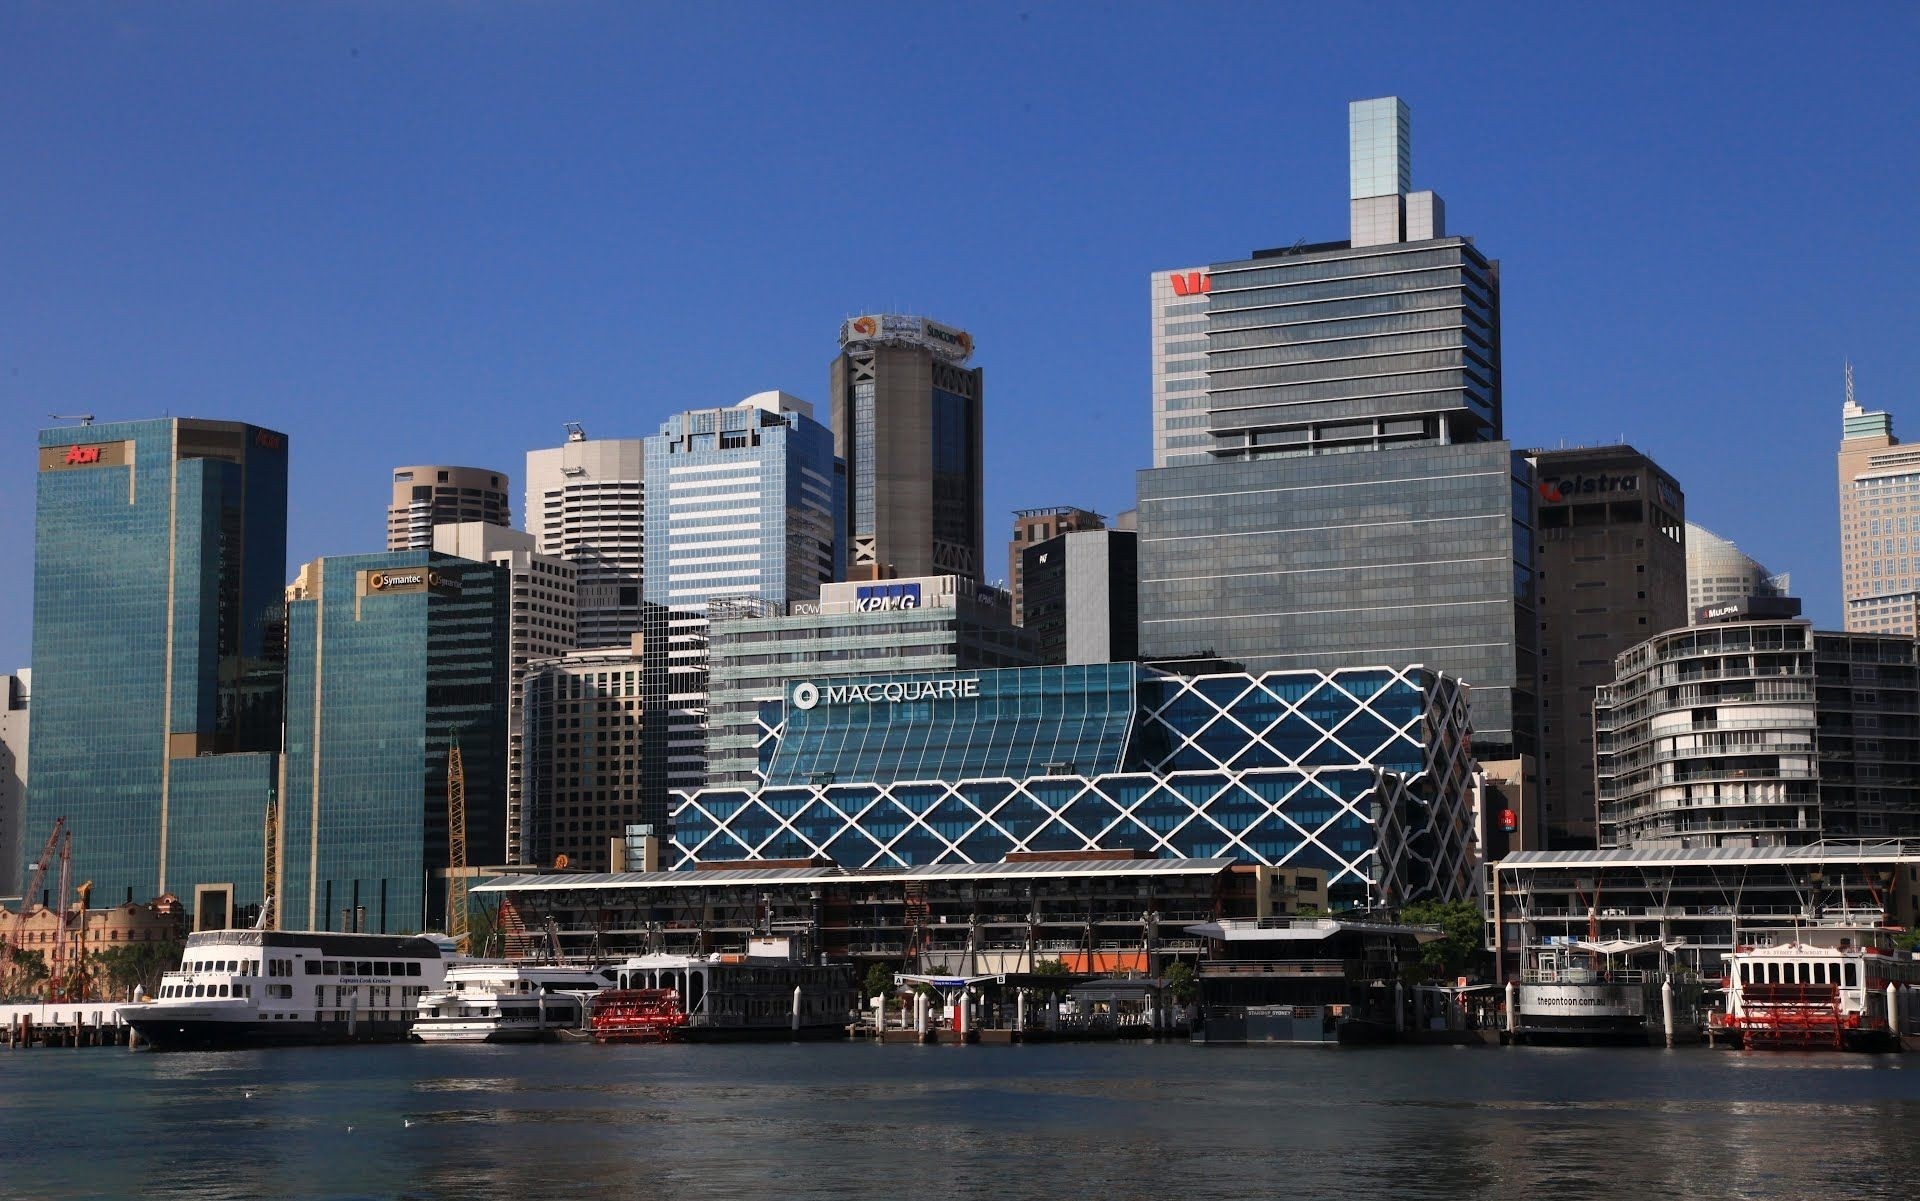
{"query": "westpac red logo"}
{"type": "Point", "coordinates": [81, 455]}
{"type": "Point", "coordinates": [1192, 283]}
{"type": "Point", "coordinates": [268, 440]}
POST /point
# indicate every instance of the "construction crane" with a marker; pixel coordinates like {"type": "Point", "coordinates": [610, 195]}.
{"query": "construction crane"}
{"type": "Point", "coordinates": [269, 863]}
{"type": "Point", "coordinates": [457, 849]}
{"type": "Point", "coordinates": [57, 960]}
{"type": "Point", "coordinates": [34, 880]}
{"type": "Point", "coordinates": [74, 982]}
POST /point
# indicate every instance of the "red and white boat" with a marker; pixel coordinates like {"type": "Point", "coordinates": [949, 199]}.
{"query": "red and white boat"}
{"type": "Point", "coordinates": [1833, 987]}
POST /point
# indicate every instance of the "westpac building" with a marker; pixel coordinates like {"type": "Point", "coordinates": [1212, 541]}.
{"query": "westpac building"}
{"type": "Point", "coordinates": [1365, 773]}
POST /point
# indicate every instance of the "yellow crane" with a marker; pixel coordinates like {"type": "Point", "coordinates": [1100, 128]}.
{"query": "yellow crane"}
{"type": "Point", "coordinates": [457, 849]}
{"type": "Point", "coordinates": [269, 865]}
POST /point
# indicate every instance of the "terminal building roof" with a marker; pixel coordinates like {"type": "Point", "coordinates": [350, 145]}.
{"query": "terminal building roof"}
{"type": "Point", "coordinates": [1020, 869]}
{"type": "Point", "coordinates": [1828, 851]}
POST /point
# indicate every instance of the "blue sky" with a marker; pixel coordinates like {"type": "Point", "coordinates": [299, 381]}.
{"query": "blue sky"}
{"type": "Point", "coordinates": [436, 231]}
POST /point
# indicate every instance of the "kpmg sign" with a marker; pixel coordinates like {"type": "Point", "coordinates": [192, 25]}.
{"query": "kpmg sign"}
{"type": "Point", "coordinates": [806, 695]}
{"type": "Point", "coordinates": [873, 598]}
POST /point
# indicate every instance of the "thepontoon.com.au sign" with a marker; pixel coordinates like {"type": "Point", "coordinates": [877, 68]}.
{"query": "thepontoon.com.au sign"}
{"type": "Point", "coordinates": [808, 694]}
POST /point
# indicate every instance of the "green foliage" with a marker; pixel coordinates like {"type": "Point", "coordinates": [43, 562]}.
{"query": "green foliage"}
{"type": "Point", "coordinates": [1182, 981]}
{"type": "Point", "coordinates": [29, 973]}
{"type": "Point", "coordinates": [1052, 968]}
{"type": "Point", "coordinates": [1460, 952]}
{"type": "Point", "coordinates": [1908, 940]}
{"type": "Point", "coordinates": [879, 981]}
{"type": "Point", "coordinates": [141, 964]}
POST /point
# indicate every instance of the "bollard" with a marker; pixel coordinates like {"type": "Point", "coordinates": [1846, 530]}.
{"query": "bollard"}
{"type": "Point", "coordinates": [1400, 1007]}
{"type": "Point", "coordinates": [1020, 1010]}
{"type": "Point", "coordinates": [1666, 1006]}
{"type": "Point", "coordinates": [796, 1009]}
{"type": "Point", "coordinates": [1513, 1008]}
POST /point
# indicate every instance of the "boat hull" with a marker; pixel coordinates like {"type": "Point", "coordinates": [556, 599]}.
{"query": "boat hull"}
{"type": "Point", "coordinates": [172, 1032]}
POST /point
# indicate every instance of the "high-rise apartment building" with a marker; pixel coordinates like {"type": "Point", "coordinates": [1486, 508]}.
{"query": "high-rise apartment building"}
{"type": "Point", "coordinates": [159, 563]}
{"type": "Point", "coordinates": [1879, 522]}
{"type": "Point", "coordinates": [1611, 572]}
{"type": "Point", "coordinates": [760, 648]}
{"type": "Point", "coordinates": [743, 503]}
{"type": "Point", "coordinates": [1037, 525]}
{"type": "Point", "coordinates": [1083, 596]}
{"type": "Point", "coordinates": [542, 626]}
{"type": "Point", "coordinates": [15, 692]}
{"type": "Point", "coordinates": [907, 423]}
{"type": "Point", "coordinates": [391, 660]}
{"type": "Point", "coordinates": [1179, 341]}
{"type": "Point", "coordinates": [584, 748]}
{"type": "Point", "coordinates": [1759, 731]}
{"type": "Point", "coordinates": [428, 495]}
{"type": "Point", "coordinates": [1719, 573]}
{"type": "Point", "coordinates": [1357, 505]}
{"type": "Point", "coordinates": [586, 504]}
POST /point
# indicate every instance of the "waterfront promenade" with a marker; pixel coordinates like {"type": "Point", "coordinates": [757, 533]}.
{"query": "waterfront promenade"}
{"type": "Point", "coordinates": [1117, 1121]}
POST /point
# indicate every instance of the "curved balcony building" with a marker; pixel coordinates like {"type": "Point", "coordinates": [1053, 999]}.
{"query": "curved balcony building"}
{"type": "Point", "coordinates": [1759, 733]}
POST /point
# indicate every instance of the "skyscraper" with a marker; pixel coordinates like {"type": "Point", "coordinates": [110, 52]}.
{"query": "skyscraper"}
{"type": "Point", "coordinates": [542, 626]}
{"type": "Point", "coordinates": [1357, 505]}
{"type": "Point", "coordinates": [1612, 573]}
{"type": "Point", "coordinates": [907, 422]}
{"type": "Point", "coordinates": [1179, 341]}
{"type": "Point", "coordinates": [1719, 573]}
{"type": "Point", "coordinates": [428, 495]}
{"type": "Point", "coordinates": [391, 659]}
{"type": "Point", "coordinates": [1037, 525]}
{"type": "Point", "coordinates": [1083, 596]}
{"type": "Point", "coordinates": [744, 503]}
{"type": "Point", "coordinates": [159, 560]}
{"type": "Point", "coordinates": [15, 694]}
{"type": "Point", "coordinates": [1879, 522]}
{"type": "Point", "coordinates": [585, 504]}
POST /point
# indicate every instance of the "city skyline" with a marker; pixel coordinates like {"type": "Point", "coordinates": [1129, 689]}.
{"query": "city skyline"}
{"type": "Point", "coordinates": [465, 323]}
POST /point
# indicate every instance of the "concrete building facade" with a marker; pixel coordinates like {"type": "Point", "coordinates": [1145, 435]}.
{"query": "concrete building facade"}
{"type": "Point", "coordinates": [1759, 733]}
{"type": "Point", "coordinates": [1879, 522]}
{"type": "Point", "coordinates": [1612, 571]}
{"type": "Point", "coordinates": [541, 626]}
{"type": "Point", "coordinates": [1083, 596]}
{"type": "Point", "coordinates": [15, 696]}
{"type": "Point", "coordinates": [430, 495]}
{"type": "Point", "coordinates": [586, 504]}
{"type": "Point", "coordinates": [1179, 341]}
{"type": "Point", "coordinates": [1037, 525]}
{"type": "Point", "coordinates": [907, 421]}
{"type": "Point", "coordinates": [585, 720]}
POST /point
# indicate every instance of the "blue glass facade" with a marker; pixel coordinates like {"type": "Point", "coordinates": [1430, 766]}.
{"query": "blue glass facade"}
{"type": "Point", "coordinates": [159, 564]}
{"type": "Point", "coordinates": [391, 657]}
{"type": "Point", "coordinates": [1365, 773]}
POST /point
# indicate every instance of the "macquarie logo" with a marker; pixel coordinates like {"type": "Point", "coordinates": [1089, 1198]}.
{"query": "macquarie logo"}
{"type": "Point", "coordinates": [808, 695]}
{"type": "Point", "coordinates": [1192, 283]}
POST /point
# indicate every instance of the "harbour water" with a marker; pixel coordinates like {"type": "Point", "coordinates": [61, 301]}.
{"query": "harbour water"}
{"type": "Point", "coordinates": [1114, 1121]}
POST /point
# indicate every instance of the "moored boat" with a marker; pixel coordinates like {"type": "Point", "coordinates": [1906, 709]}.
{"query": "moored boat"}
{"type": "Point", "coordinates": [250, 988]}
{"type": "Point", "coordinates": [724, 997]}
{"type": "Point", "coordinates": [503, 1002]}
{"type": "Point", "coordinates": [1841, 987]}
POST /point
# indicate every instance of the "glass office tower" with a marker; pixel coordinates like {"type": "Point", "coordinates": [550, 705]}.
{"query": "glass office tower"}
{"type": "Point", "coordinates": [391, 657]}
{"type": "Point", "coordinates": [1357, 505]}
{"type": "Point", "coordinates": [159, 561]}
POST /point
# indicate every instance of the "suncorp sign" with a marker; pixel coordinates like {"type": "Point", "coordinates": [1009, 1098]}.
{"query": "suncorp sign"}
{"type": "Point", "coordinates": [807, 694]}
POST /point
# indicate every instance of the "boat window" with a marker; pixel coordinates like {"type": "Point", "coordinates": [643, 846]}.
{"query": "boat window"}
{"type": "Point", "coordinates": [366, 968]}
{"type": "Point", "coordinates": [413, 969]}
{"type": "Point", "coordinates": [333, 967]}
{"type": "Point", "coordinates": [1853, 974]}
{"type": "Point", "coordinates": [313, 967]}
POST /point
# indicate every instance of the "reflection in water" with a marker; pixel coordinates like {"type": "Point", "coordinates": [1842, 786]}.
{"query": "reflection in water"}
{"type": "Point", "coordinates": [1116, 1121]}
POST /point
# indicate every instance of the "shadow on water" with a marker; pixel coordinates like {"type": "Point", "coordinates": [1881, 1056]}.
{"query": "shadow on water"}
{"type": "Point", "coordinates": [1117, 1121]}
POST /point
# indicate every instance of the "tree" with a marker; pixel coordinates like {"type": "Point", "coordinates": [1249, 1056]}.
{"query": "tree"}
{"type": "Point", "coordinates": [1463, 927]}
{"type": "Point", "coordinates": [879, 981]}
{"type": "Point", "coordinates": [1182, 981]}
{"type": "Point", "coordinates": [1052, 968]}
{"type": "Point", "coordinates": [1908, 940]}
{"type": "Point", "coordinates": [29, 972]}
{"type": "Point", "coordinates": [135, 965]}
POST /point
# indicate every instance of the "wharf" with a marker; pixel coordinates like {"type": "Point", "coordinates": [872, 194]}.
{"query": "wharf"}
{"type": "Point", "coordinates": [64, 1024]}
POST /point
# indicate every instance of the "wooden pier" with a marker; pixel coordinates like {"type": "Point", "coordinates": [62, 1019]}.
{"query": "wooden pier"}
{"type": "Point", "coordinates": [66, 1024]}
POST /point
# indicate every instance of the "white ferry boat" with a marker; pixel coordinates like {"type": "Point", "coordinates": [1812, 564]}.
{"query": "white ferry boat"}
{"type": "Point", "coordinates": [1835, 987]}
{"type": "Point", "coordinates": [509, 1002]}
{"type": "Point", "coordinates": [1581, 992]}
{"type": "Point", "coordinates": [250, 988]}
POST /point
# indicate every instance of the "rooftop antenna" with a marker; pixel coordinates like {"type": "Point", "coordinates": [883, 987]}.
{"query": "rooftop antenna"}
{"type": "Point", "coordinates": [87, 418]}
{"type": "Point", "coordinates": [1850, 383]}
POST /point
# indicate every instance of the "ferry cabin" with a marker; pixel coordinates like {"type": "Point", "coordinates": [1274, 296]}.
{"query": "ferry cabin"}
{"type": "Point", "coordinates": [502, 1002]}
{"type": "Point", "coordinates": [735, 997]}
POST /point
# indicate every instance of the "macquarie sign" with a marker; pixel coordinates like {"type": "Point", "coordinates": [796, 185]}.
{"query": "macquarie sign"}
{"type": "Point", "coordinates": [807, 695]}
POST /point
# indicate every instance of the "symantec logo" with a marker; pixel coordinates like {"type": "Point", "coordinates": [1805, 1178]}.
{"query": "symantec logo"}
{"type": "Point", "coordinates": [1192, 283]}
{"type": "Point", "coordinates": [78, 455]}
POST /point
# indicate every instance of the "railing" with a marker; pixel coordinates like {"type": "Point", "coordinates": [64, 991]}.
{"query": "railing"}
{"type": "Point", "coordinates": [1274, 967]}
{"type": "Point", "coordinates": [1585, 976]}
